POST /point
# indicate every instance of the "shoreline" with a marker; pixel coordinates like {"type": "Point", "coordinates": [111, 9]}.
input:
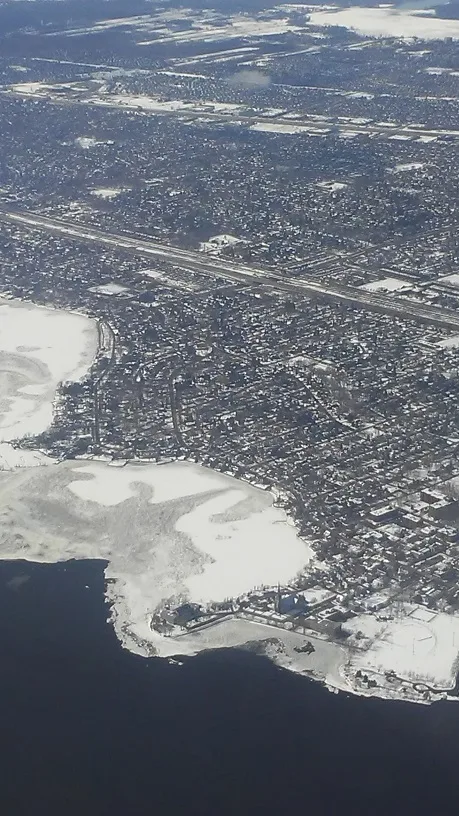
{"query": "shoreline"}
{"type": "Point", "coordinates": [132, 609]}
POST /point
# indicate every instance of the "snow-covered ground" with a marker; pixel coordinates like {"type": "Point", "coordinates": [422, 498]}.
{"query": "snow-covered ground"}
{"type": "Point", "coordinates": [451, 280]}
{"type": "Point", "coordinates": [388, 22]}
{"type": "Point", "coordinates": [107, 193]}
{"type": "Point", "coordinates": [449, 342]}
{"type": "Point", "coordinates": [39, 348]}
{"type": "Point", "coordinates": [279, 127]}
{"type": "Point", "coordinates": [348, 134]}
{"type": "Point", "coordinates": [110, 288]}
{"type": "Point", "coordinates": [316, 595]}
{"type": "Point", "coordinates": [209, 26]}
{"type": "Point", "coordinates": [206, 26]}
{"type": "Point", "coordinates": [279, 644]}
{"type": "Point", "coordinates": [387, 285]}
{"type": "Point", "coordinates": [218, 242]}
{"type": "Point", "coordinates": [415, 643]}
{"type": "Point", "coordinates": [33, 88]}
{"type": "Point", "coordinates": [332, 186]}
{"type": "Point", "coordinates": [239, 25]}
{"type": "Point", "coordinates": [86, 142]}
{"type": "Point", "coordinates": [183, 75]}
{"type": "Point", "coordinates": [154, 103]}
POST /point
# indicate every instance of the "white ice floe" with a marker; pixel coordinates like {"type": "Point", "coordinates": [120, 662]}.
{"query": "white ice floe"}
{"type": "Point", "coordinates": [388, 22]}
{"type": "Point", "coordinates": [218, 242]}
{"type": "Point", "coordinates": [39, 348]}
{"type": "Point", "coordinates": [112, 486]}
{"type": "Point", "coordinates": [183, 75]}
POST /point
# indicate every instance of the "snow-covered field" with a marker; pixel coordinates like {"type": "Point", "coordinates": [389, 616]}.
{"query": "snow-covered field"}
{"type": "Point", "coordinates": [107, 193]}
{"type": "Point", "coordinates": [387, 285]}
{"type": "Point", "coordinates": [39, 348]}
{"type": "Point", "coordinates": [218, 242]}
{"type": "Point", "coordinates": [451, 280]}
{"type": "Point", "coordinates": [324, 662]}
{"type": "Point", "coordinates": [85, 142]}
{"type": "Point", "coordinates": [209, 26]}
{"type": "Point", "coordinates": [388, 22]}
{"type": "Point", "coordinates": [110, 288]}
{"type": "Point", "coordinates": [449, 342]}
{"type": "Point", "coordinates": [417, 643]}
{"type": "Point", "coordinates": [280, 127]}
{"type": "Point", "coordinates": [153, 103]}
{"type": "Point", "coordinates": [404, 167]}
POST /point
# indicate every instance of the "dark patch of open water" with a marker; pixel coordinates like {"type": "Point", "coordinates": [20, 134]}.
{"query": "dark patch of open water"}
{"type": "Point", "coordinates": [88, 728]}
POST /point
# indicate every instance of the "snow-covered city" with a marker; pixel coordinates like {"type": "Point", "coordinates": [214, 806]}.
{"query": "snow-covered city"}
{"type": "Point", "coordinates": [195, 559]}
{"type": "Point", "coordinates": [229, 331]}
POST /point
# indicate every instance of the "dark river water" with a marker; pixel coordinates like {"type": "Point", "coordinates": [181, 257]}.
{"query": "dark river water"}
{"type": "Point", "coordinates": [88, 728]}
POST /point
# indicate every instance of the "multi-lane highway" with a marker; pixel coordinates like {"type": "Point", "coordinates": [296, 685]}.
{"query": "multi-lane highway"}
{"type": "Point", "coordinates": [289, 121]}
{"type": "Point", "coordinates": [238, 273]}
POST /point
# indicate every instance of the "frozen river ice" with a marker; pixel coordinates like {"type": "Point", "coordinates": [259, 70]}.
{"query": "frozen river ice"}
{"type": "Point", "coordinates": [39, 348]}
{"type": "Point", "coordinates": [168, 531]}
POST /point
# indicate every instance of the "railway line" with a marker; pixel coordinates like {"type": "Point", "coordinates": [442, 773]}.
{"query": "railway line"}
{"type": "Point", "coordinates": [221, 268]}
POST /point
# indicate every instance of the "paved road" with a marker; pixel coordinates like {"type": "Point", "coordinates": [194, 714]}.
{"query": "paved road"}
{"type": "Point", "coordinates": [221, 268]}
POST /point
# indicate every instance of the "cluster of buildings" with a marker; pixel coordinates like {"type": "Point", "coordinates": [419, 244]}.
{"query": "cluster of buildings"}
{"type": "Point", "coordinates": [348, 416]}
{"type": "Point", "coordinates": [206, 155]}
